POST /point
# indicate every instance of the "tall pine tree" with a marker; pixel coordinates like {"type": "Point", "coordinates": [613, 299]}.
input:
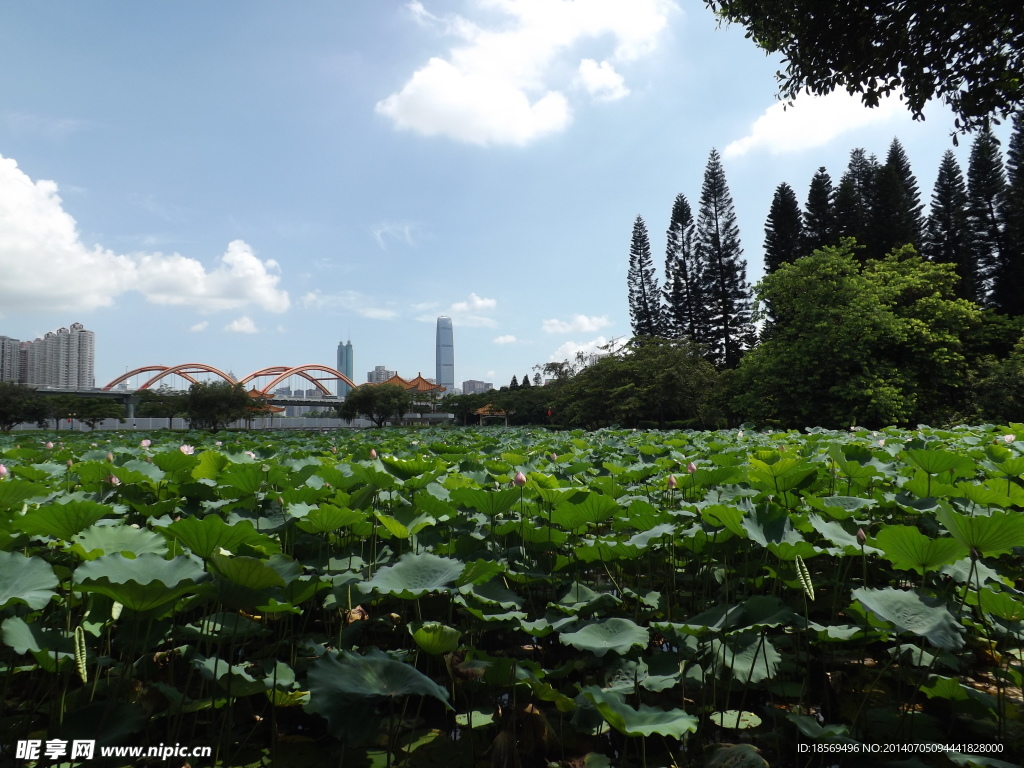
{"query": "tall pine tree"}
{"type": "Point", "coordinates": [725, 283]}
{"type": "Point", "coordinates": [854, 197]}
{"type": "Point", "coordinates": [686, 310]}
{"type": "Point", "coordinates": [1008, 277]}
{"type": "Point", "coordinates": [783, 230]}
{"type": "Point", "coordinates": [948, 235]}
{"type": "Point", "coordinates": [895, 209]}
{"type": "Point", "coordinates": [819, 214]}
{"type": "Point", "coordinates": [645, 312]}
{"type": "Point", "coordinates": [986, 189]}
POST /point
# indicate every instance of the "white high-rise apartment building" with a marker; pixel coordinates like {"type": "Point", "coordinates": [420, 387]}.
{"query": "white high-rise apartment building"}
{"type": "Point", "coordinates": [63, 359]}
{"type": "Point", "coordinates": [379, 375]}
{"type": "Point", "coordinates": [10, 359]}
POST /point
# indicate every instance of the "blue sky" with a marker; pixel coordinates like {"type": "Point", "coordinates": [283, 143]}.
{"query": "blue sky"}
{"type": "Point", "coordinates": [246, 184]}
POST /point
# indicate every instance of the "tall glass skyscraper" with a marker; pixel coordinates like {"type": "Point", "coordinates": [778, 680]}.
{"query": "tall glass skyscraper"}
{"type": "Point", "coordinates": [344, 366]}
{"type": "Point", "coordinates": [445, 354]}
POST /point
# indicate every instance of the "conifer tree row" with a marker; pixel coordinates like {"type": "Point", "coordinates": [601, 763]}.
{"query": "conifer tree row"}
{"type": "Point", "coordinates": [645, 311]}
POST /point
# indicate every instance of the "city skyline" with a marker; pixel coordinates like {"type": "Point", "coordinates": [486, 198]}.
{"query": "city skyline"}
{"type": "Point", "coordinates": [239, 183]}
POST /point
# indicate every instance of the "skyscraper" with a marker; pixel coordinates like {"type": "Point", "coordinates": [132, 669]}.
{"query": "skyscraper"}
{"type": "Point", "coordinates": [62, 359]}
{"type": "Point", "coordinates": [344, 366]}
{"type": "Point", "coordinates": [445, 354]}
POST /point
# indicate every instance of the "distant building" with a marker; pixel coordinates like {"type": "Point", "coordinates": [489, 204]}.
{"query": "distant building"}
{"type": "Point", "coordinates": [473, 387]}
{"type": "Point", "coordinates": [379, 375]}
{"type": "Point", "coordinates": [10, 359]}
{"type": "Point", "coordinates": [345, 365]}
{"type": "Point", "coordinates": [62, 359]}
{"type": "Point", "coordinates": [445, 353]}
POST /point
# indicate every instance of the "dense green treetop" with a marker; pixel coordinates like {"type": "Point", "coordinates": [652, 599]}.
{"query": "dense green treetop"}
{"type": "Point", "coordinates": [214, 405]}
{"type": "Point", "coordinates": [377, 402]}
{"type": "Point", "coordinates": [970, 54]}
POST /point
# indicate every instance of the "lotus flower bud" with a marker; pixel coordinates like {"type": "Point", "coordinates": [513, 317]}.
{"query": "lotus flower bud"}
{"type": "Point", "coordinates": [113, 480]}
{"type": "Point", "coordinates": [49, 445]}
{"type": "Point", "coordinates": [373, 453]}
{"type": "Point", "coordinates": [739, 434]}
{"type": "Point", "coordinates": [554, 457]}
{"type": "Point", "coordinates": [188, 450]}
{"type": "Point", "coordinates": [110, 457]}
{"type": "Point", "coordinates": [219, 443]}
{"type": "Point", "coordinates": [334, 449]}
{"type": "Point", "coordinates": [3, 471]}
{"type": "Point", "coordinates": [881, 443]}
{"type": "Point", "coordinates": [691, 467]}
{"type": "Point", "coordinates": [1009, 438]}
{"type": "Point", "coordinates": [672, 482]}
{"type": "Point", "coordinates": [861, 536]}
{"type": "Point", "coordinates": [519, 480]}
{"type": "Point", "coordinates": [70, 463]}
{"type": "Point", "coordinates": [145, 443]}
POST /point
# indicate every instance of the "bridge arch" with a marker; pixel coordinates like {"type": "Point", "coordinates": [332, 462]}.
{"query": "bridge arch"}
{"type": "Point", "coordinates": [185, 370]}
{"type": "Point", "coordinates": [279, 373]}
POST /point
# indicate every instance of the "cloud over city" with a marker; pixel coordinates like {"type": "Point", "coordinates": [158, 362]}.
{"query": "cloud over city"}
{"type": "Point", "coordinates": [46, 266]}
{"type": "Point", "coordinates": [503, 82]}
{"type": "Point", "coordinates": [350, 301]}
{"type": "Point", "coordinates": [577, 324]}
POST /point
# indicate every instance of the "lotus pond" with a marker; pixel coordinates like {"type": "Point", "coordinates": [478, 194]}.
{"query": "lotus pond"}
{"type": "Point", "coordinates": [401, 597]}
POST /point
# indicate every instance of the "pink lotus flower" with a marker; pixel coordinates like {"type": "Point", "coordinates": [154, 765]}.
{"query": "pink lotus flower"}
{"type": "Point", "coordinates": [113, 480]}
{"type": "Point", "coordinates": [251, 455]}
{"type": "Point", "coordinates": [519, 480]}
{"type": "Point", "coordinates": [218, 443]}
{"type": "Point", "coordinates": [672, 482]}
{"type": "Point", "coordinates": [373, 453]}
{"type": "Point", "coordinates": [49, 445]}
{"type": "Point", "coordinates": [1009, 438]}
{"type": "Point", "coordinates": [691, 467]}
{"type": "Point", "coordinates": [3, 471]}
{"type": "Point", "coordinates": [145, 443]}
{"type": "Point", "coordinates": [188, 450]}
{"type": "Point", "coordinates": [554, 457]}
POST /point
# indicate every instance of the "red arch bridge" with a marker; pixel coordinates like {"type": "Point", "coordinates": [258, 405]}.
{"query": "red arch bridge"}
{"type": "Point", "coordinates": [263, 381]}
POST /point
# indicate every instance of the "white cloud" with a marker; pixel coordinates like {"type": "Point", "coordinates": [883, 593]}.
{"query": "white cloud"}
{"type": "Point", "coordinates": [506, 339]}
{"type": "Point", "coordinates": [470, 313]}
{"type": "Point", "coordinates": [242, 324]}
{"type": "Point", "coordinates": [601, 81]}
{"type": "Point", "coordinates": [578, 324]}
{"type": "Point", "coordinates": [351, 301]}
{"type": "Point", "coordinates": [500, 84]}
{"type": "Point", "coordinates": [198, 327]}
{"type": "Point", "coordinates": [45, 266]}
{"type": "Point", "coordinates": [568, 350]}
{"type": "Point", "coordinates": [812, 121]}
{"type": "Point", "coordinates": [403, 232]}
{"type": "Point", "coordinates": [36, 126]}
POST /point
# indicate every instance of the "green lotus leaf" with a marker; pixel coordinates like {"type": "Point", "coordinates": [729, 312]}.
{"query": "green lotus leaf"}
{"type": "Point", "coordinates": [615, 634]}
{"type": "Point", "coordinates": [493, 592]}
{"type": "Point", "coordinates": [98, 540]}
{"type": "Point", "coordinates": [644, 721]}
{"type": "Point", "coordinates": [248, 572]}
{"type": "Point", "coordinates": [27, 580]}
{"type": "Point", "coordinates": [209, 535]}
{"type": "Point", "coordinates": [176, 461]}
{"type": "Point", "coordinates": [749, 656]}
{"type": "Point", "coordinates": [594, 508]}
{"type": "Point", "coordinates": [209, 465]}
{"type": "Point", "coordinates": [491, 503]}
{"type": "Point", "coordinates": [405, 522]}
{"type": "Point", "coordinates": [33, 638]}
{"type": "Point", "coordinates": [234, 679]}
{"type": "Point", "coordinates": [927, 617]}
{"type": "Point", "coordinates": [479, 572]}
{"type": "Point", "coordinates": [935, 462]}
{"type": "Point", "coordinates": [910, 550]}
{"type": "Point", "coordinates": [735, 719]}
{"type": "Point", "coordinates": [406, 469]}
{"type": "Point", "coordinates": [250, 478]}
{"type": "Point", "coordinates": [344, 688]}
{"type": "Point", "coordinates": [840, 507]}
{"type": "Point", "coordinates": [725, 516]}
{"type": "Point", "coordinates": [415, 575]}
{"type": "Point", "coordinates": [141, 584]}
{"type": "Point", "coordinates": [225, 626]}
{"type": "Point", "coordinates": [327, 518]}
{"type": "Point", "coordinates": [434, 637]}
{"type": "Point", "coordinates": [989, 535]}
{"type": "Point", "coordinates": [734, 756]}
{"type": "Point", "coordinates": [63, 521]}
{"type": "Point", "coordinates": [997, 603]}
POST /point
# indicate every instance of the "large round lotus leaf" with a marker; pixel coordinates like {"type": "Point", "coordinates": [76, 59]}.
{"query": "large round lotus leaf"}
{"type": "Point", "coordinates": [935, 462]}
{"type": "Point", "coordinates": [248, 572]}
{"type": "Point", "coordinates": [142, 583]}
{"type": "Point", "coordinates": [735, 719]}
{"type": "Point", "coordinates": [415, 575]}
{"type": "Point", "coordinates": [209, 535]}
{"type": "Point", "coordinates": [644, 721]}
{"type": "Point", "coordinates": [910, 550]}
{"type": "Point", "coordinates": [434, 637]}
{"type": "Point", "coordinates": [328, 517]}
{"type": "Point", "coordinates": [927, 617]}
{"type": "Point", "coordinates": [26, 580]}
{"type": "Point", "coordinates": [616, 634]}
{"type": "Point", "coordinates": [489, 502]}
{"type": "Point", "coordinates": [989, 534]}
{"type": "Point", "coordinates": [13, 493]}
{"type": "Point", "coordinates": [62, 521]}
{"type": "Point", "coordinates": [98, 540]}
